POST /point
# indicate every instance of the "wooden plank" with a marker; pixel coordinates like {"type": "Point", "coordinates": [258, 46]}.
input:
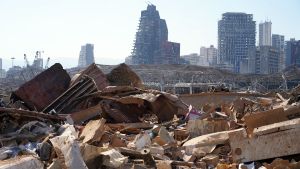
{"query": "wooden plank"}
{"type": "Point", "coordinates": [266, 144]}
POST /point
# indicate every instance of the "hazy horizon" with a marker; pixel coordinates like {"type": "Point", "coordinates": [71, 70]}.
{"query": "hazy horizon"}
{"type": "Point", "coordinates": [59, 28]}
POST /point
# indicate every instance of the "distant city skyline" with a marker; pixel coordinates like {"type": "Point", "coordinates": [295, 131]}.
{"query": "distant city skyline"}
{"type": "Point", "coordinates": [59, 28]}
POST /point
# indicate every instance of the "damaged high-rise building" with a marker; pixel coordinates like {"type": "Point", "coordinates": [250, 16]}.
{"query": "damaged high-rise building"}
{"type": "Point", "coordinates": [292, 52]}
{"type": "Point", "coordinates": [151, 45]}
{"type": "Point", "coordinates": [86, 55]}
{"type": "Point", "coordinates": [236, 37]}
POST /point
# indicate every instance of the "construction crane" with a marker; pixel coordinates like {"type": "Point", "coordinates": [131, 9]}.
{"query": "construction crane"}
{"type": "Point", "coordinates": [26, 61]}
{"type": "Point", "coordinates": [47, 63]}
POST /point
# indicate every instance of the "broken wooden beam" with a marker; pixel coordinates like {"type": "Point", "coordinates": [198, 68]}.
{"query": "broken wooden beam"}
{"type": "Point", "coordinates": [30, 114]}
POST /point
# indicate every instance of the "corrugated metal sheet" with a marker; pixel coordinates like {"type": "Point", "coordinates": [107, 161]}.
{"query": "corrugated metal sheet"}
{"type": "Point", "coordinates": [94, 72]}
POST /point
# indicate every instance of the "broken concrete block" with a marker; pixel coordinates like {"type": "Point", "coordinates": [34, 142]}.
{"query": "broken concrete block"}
{"type": "Point", "coordinates": [22, 162]}
{"type": "Point", "coordinates": [93, 131]}
{"type": "Point", "coordinates": [56, 164]}
{"type": "Point", "coordinates": [91, 155]}
{"type": "Point", "coordinates": [157, 150]}
{"type": "Point", "coordinates": [67, 149]}
{"type": "Point", "coordinates": [112, 158]}
{"type": "Point", "coordinates": [140, 141]}
{"type": "Point", "coordinates": [265, 138]}
{"type": "Point", "coordinates": [165, 136]}
{"type": "Point", "coordinates": [202, 127]}
{"type": "Point", "coordinates": [211, 160]}
{"type": "Point", "coordinates": [202, 151]}
{"type": "Point", "coordinates": [207, 142]}
{"type": "Point", "coordinates": [189, 158]}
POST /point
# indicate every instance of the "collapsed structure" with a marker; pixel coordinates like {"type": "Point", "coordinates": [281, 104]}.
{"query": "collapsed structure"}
{"type": "Point", "coordinates": [96, 120]}
{"type": "Point", "coordinates": [151, 45]}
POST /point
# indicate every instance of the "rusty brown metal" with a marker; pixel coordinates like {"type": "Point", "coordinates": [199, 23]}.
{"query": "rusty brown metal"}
{"type": "Point", "coordinates": [44, 88]}
{"type": "Point", "coordinates": [86, 114]}
{"type": "Point", "coordinates": [69, 100]}
{"type": "Point", "coordinates": [94, 72]}
{"type": "Point", "coordinates": [30, 114]}
{"type": "Point", "coordinates": [123, 75]}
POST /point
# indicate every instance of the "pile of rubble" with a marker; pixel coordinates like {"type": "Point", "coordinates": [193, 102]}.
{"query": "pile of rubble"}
{"type": "Point", "coordinates": [93, 120]}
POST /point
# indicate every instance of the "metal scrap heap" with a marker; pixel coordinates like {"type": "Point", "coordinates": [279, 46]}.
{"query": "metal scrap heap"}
{"type": "Point", "coordinates": [95, 120]}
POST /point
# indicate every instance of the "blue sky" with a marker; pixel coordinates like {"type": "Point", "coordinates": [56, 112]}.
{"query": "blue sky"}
{"type": "Point", "coordinates": [60, 27]}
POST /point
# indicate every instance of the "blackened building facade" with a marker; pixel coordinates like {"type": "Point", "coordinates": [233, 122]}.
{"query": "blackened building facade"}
{"type": "Point", "coordinates": [151, 45]}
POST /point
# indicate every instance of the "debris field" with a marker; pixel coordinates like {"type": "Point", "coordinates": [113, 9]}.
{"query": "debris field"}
{"type": "Point", "coordinates": [103, 121]}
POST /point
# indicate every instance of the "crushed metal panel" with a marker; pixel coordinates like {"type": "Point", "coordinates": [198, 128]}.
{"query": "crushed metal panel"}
{"type": "Point", "coordinates": [94, 72]}
{"type": "Point", "coordinates": [44, 88]}
{"type": "Point", "coordinates": [30, 115]}
{"type": "Point", "coordinates": [266, 143]}
{"type": "Point", "coordinates": [69, 100]}
{"type": "Point", "coordinates": [81, 116]}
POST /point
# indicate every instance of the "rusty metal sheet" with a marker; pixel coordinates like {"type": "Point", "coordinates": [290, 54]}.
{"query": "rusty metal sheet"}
{"type": "Point", "coordinates": [94, 72]}
{"type": "Point", "coordinates": [44, 88]}
{"type": "Point", "coordinates": [86, 114]}
{"type": "Point", "coordinates": [70, 101]}
{"type": "Point", "coordinates": [33, 115]}
{"type": "Point", "coordinates": [123, 75]}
